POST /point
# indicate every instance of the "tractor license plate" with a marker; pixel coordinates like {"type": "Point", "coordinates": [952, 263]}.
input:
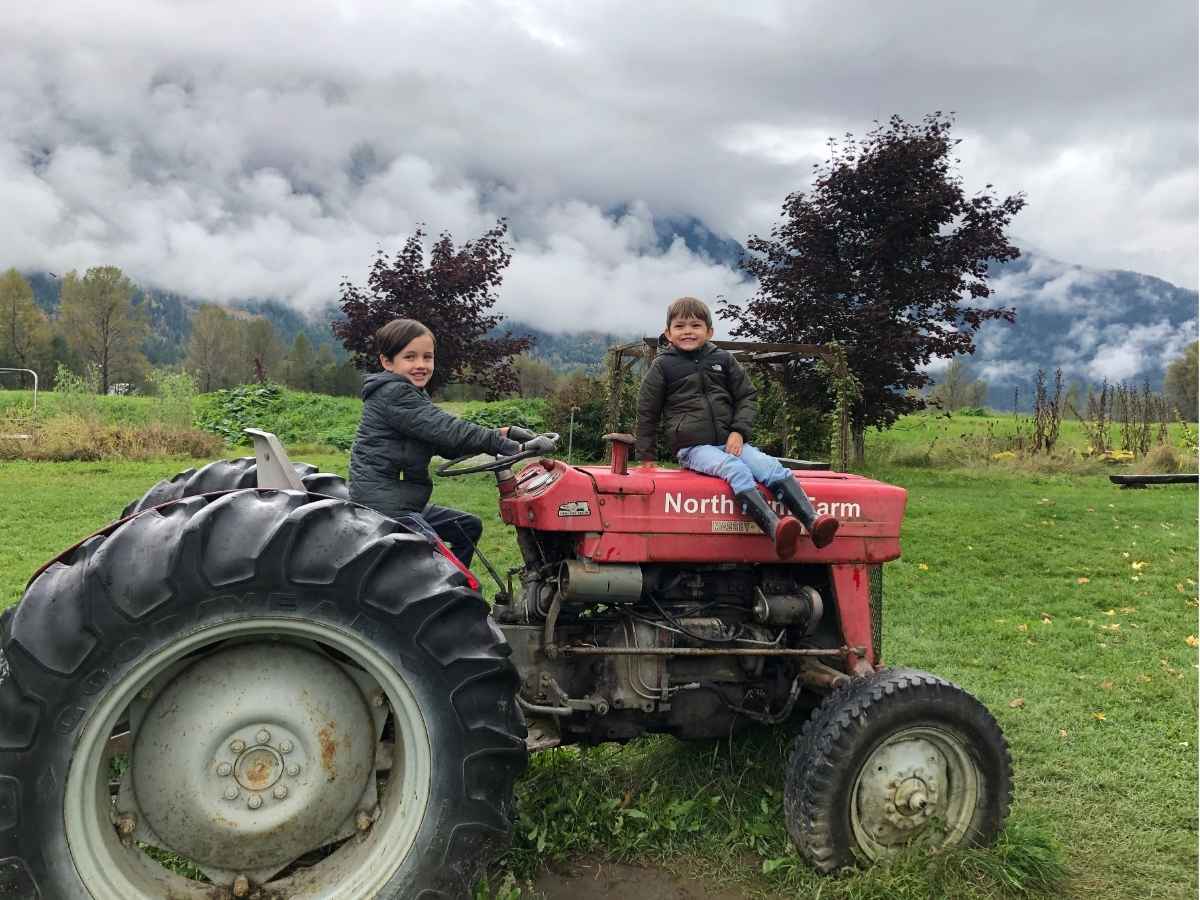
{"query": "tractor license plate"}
{"type": "Point", "coordinates": [734, 526]}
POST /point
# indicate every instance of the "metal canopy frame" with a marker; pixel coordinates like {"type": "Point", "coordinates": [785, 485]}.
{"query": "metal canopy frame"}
{"type": "Point", "coordinates": [32, 409]}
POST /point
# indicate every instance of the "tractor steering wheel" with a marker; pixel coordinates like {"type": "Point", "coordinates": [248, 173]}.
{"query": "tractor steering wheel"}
{"type": "Point", "coordinates": [544, 444]}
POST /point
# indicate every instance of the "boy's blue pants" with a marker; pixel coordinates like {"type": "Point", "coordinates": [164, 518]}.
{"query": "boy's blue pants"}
{"type": "Point", "coordinates": [740, 471]}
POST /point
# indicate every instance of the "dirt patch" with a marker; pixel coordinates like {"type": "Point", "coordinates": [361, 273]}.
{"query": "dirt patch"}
{"type": "Point", "coordinates": [595, 880]}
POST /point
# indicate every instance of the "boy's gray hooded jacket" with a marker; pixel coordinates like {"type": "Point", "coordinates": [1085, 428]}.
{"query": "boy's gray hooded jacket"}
{"type": "Point", "coordinates": [399, 433]}
{"type": "Point", "coordinates": [701, 396]}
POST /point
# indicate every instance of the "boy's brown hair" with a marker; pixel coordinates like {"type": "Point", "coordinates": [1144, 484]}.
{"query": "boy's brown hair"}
{"type": "Point", "coordinates": [689, 308]}
{"type": "Point", "coordinates": [398, 334]}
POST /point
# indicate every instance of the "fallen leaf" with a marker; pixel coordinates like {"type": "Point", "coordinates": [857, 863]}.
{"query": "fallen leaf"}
{"type": "Point", "coordinates": [1138, 565]}
{"type": "Point", "coordinates": [1017, 703]}
{"type": "Point", "coordinates": [1062, 732]}
{"type": "Point", "coordinates": [1046, 619]}
{"type": "Point", "coordinates": [1110, 612]}
{"type": "Point", "coordinates": [1106, 684]}
{"type": "Point", "coordinates": [1128, 609]}
{"type": "Point", "coordinates": [1144, 679]}
{"type": "Point", "coordinates": [1192, 641]}
{"type": "Point", "coordinates": [1091, 509]}
{"type": "Point", "coordinates": [1098, 716]}
{"type": "Point", "coordinates": [1022, 627]}
{"type": "Point", "coordinates": [923, 567]}
{"type": "Point", "coordinates": [1124, 555]}
{"type": "Point", "coordinates": [1082, 580]}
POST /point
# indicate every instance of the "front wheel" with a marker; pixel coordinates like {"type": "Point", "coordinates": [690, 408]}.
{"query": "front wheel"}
{"type": "Point", "coordinates": [895, 759]}
{"type": "Point", "coordinates": [261, 695]}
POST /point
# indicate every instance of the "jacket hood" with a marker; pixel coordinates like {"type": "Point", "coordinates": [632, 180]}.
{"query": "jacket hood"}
{"type": "Point", "coordinates": [373, 382]}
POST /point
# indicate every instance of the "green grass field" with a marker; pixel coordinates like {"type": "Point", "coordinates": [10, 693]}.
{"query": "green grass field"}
{"type": "Point", "coordinates": [1065, 604]}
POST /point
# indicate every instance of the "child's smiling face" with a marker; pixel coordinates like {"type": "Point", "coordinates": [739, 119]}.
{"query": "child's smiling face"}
{"type": "Point", "coordinates": [414, 362]}
{"type": "Point", "coordinates": [688, 332]}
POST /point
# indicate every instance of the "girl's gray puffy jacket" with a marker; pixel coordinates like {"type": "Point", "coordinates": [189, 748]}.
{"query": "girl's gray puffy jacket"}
{"type": "Point", "coordinates": [399, 433]}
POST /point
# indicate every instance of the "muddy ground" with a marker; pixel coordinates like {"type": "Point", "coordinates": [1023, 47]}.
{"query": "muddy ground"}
{"type": "Point", "coordinates": [591, 879]}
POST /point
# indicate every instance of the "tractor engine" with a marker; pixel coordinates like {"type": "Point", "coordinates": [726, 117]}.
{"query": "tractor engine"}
{"type": "Point", "coordinates": [596, 678]}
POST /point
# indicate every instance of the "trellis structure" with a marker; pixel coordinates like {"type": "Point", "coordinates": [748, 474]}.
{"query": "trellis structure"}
{"type": "Point", "coordinates": [623, 358]}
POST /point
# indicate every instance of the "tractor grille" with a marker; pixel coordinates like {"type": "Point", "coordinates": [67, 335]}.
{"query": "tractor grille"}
{"type": "Point", "coordinates": [875, 576]}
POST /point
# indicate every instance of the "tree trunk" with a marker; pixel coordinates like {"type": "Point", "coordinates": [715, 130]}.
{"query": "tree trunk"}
{"type": "Point", "coordinates": [858, 443]}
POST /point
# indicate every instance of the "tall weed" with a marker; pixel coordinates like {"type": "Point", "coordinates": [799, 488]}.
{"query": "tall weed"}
{"type": "Point", "coordinates": [83, 438]}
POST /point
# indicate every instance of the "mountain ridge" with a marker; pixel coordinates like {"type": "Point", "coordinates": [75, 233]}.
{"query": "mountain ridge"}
{"type": "Point", "coordinates": [1095, 324]}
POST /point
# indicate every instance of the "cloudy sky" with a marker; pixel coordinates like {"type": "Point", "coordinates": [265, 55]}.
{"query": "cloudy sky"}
{"type": "Point", "coordinates": [267, 148]}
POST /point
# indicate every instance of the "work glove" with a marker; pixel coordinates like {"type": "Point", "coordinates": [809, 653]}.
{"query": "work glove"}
{"type": "Point", "coordinates": [539, 444]}
{"type": "Point", "coordinates": [517, 433]}
{"type": "Point", "coordinates": [508, 447]}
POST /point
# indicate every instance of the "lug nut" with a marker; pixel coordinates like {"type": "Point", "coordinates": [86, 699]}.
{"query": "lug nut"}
{"type": "Point", "coordinates": [224, 770]}
{"type": "Point", "coordinates": [231, 793]}
{"type": "Point", "coordinates": [126, 824]}
{"type": "Point", "coordinates": [263, 736]}
{"type": "Point", "coordinates": [377, 699]}
{"type": "Point", "coordinates": [237, 746]}
{"type": "Point", "coordinates": [293, 770]}
{"type": "Point", "coordinates": [285, 747]}
{"type": "Point", "coordinates": [280, 792]}
{"type": "Point", "coordinates": [241, 886]}
{"type": "Point", "coordinates": [147, 693]}
{"type": "Point", "coordinates": [254, 801]}
{"type": "Point", "coordinates": [363, 820]}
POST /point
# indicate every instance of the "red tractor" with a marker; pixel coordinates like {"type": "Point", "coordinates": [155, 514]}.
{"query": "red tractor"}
{"type": "Point", "coordinates": [251, 687]}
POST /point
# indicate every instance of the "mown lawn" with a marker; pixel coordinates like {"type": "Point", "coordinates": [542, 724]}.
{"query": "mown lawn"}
{"type": "Point", "coordinates": [1068, 606]}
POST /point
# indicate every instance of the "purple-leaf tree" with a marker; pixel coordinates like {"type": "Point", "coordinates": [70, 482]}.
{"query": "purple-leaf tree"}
{"type": "Point", "coordinates": [887, 255]}
{"type": "Point", "coordinates": [453, 294]}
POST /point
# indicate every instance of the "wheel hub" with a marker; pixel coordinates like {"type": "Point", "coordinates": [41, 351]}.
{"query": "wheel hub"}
{"type": "Point", "coordinates": [914, 779]}
{"type": "Point", "coordinates": [253, 755]}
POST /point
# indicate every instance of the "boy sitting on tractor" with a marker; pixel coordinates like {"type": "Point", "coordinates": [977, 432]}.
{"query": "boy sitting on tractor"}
{"type": "Point", "coordinates": [708, 405]}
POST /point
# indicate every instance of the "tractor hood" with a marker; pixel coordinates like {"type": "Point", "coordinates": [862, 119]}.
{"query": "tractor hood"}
{"type": "Point", "coordinates": [652, 514]}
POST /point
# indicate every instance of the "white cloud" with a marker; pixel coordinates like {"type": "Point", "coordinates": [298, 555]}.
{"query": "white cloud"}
{"type": "Point", "coordinates": [1128, 352]}
{"type": "Point", "coordinates": [267, 149]}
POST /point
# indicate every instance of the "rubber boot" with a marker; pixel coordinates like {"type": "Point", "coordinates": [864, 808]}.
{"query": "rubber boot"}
{"type": "Point", "coordinates": [822, 528]}
{"type": "Point", "coordinates": [783, 531]}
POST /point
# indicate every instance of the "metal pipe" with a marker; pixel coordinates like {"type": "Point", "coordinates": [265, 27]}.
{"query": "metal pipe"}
{"type": "Point", "coordinates": [543, 710]}
{"type": "Point", "coordinates": [705, 651]}
{"type": "Point", "coordinates": [816, 674]}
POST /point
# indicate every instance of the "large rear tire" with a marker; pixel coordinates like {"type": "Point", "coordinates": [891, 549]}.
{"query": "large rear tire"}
{"type": "Point", "coordinates": [231, 475]}
{"type": "Point", "coordinates": [895, 759]}
{"type": "Point", "coordinates": [339, 709]}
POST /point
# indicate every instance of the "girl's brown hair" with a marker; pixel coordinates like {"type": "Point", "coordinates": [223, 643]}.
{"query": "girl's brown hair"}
{"type": "Point", "coordinates": [398, 334]}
